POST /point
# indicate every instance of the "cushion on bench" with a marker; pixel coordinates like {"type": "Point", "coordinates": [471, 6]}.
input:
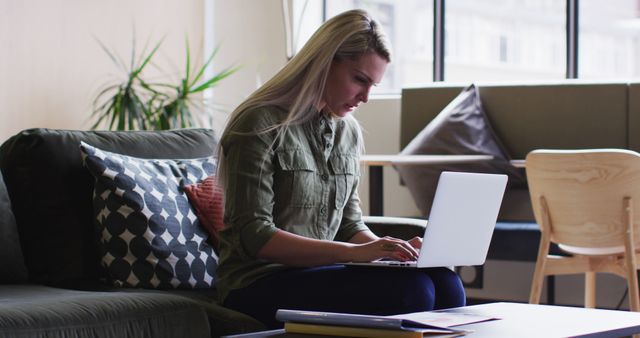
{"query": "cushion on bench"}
{"type": "Point", "coordinates": [517, 241]}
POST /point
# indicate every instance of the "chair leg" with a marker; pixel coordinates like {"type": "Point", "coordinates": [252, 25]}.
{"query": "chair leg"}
{"type": "Point", "coordinates": [630, 256]}
{"type": "Point", "coordinates": [543, 251]}
{"type": "Point", "coordinates": [538, 281]}
{"type": "Point", "coordinates": [632, 283]}
{"type": "Point", "coordinates": [539, 273]}
{"type": "Point", "coordinates": [590, 290]}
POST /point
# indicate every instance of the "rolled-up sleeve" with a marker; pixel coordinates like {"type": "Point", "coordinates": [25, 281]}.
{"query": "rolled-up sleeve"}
{"type": "Point", "coordinates": [248, 177]}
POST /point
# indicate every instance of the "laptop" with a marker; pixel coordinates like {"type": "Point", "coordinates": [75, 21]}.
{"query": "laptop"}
{"type": "Point", "coordinates": [463, 216]}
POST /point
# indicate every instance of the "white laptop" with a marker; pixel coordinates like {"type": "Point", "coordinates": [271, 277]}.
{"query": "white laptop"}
{"type": "Point", "coordinates": [463, 216]}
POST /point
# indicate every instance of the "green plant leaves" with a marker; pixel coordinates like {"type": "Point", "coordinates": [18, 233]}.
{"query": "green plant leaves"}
{"type": "Point", "coordinates": [178, 112]}
{"type": "Point", "coordinates": [138, 105]}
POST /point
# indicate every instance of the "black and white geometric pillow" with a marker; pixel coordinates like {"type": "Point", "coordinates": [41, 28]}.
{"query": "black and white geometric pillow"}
{"type": "Point", "coordinates": [149, 234]}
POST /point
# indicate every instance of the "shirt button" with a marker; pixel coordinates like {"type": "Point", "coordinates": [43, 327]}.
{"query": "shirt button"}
{"type": "Point", "coordinates": [323, 210]}
{"type": "Point", "coordinates": [325, 177]}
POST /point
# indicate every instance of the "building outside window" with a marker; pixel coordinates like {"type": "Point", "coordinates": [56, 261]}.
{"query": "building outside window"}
{"type": "Point", "coordinates": [609, 40]}
{"type": "Point", "coordinates": [496, 40]}
{"type": "Point", "coordinates": [493, 40]}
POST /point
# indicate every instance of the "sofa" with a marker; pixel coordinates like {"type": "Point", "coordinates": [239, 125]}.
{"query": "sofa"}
{"type": "Point", "coordinates": [51, 281]}
{"type": "Point", "coordinates": [566, 114]}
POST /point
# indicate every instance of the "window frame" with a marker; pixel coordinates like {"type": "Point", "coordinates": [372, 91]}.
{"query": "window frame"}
{"type": "Point", "coordinates": [572, 31]}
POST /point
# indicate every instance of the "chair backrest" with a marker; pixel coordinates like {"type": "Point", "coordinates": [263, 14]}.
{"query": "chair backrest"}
{"type": "Point", "coordinates": [584, 191]}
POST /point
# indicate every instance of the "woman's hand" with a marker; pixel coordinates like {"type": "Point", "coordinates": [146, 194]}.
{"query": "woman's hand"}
{"type": "Point", "coordinates": [386, 247]}
{"type": "Point", "coordinates": [294, 250]}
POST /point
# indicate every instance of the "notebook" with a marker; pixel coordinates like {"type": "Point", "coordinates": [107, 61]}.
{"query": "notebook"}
{"type": "Point", "coordinates": [463, 216]}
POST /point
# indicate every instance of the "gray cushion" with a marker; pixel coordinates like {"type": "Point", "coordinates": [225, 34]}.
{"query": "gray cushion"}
{"type": "Point", "coordinates": [461, 128]}
{"type": "Point", "coordinates": [39, 311]}
{"type": "Point", "coordinates": [12, 267]}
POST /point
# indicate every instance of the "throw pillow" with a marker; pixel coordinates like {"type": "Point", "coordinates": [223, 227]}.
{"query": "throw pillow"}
{"type": "Point", "coordinates": [208, 199]}
{"type": "Point", "coordinates": [149, 234]}
{"type": "Point", "coordinates": [461, 128]}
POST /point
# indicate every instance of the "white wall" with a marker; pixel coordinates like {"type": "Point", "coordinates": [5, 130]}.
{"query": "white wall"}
{"type": "Point", "coordinates": [250, 34]}
{"type": "Point", "coordinates": [52, 67]}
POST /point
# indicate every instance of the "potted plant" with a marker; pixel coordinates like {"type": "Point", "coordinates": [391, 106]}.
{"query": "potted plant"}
{"type": "Point", "coordinates": [136, 104]}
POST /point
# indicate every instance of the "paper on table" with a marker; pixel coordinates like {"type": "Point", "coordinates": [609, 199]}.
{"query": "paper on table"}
{"type": "Point", "coordinates": [443, 319]}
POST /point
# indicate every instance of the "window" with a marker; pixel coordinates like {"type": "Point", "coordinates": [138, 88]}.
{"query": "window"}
{"type": "Point", "coordinates": [503, 48]}
{"type": "Point", "coordinates": [609, 39]}
{"type": "Point", "coordinates": [504, 40]}
{"type": "Point", "coordinates": [501, 40]}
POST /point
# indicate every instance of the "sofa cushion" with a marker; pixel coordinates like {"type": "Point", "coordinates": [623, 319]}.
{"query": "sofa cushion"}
{"type": "Point", "coordinates": [12, 268]}
{"type": "Point", "coordinates": [150, 236]}
{"type": "Point", "coordinates": [51, 192]}
{"type": "Point", "coordinates": [207, 197]}
{"type": "Point", "coordinates": [40, 311]}
{"type": "Point", "coordinates": [461, 128]}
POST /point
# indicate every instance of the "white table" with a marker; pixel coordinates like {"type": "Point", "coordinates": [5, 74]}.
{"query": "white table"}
{"type": "Point", "coordinates": [529, 320]}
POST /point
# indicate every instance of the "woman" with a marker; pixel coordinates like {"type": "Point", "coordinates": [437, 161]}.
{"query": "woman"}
{"type": "Point", "coordinates": [290, 168]}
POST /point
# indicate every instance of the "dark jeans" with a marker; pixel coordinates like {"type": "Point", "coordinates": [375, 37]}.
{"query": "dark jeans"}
{"type": "Point", "coordinates": [349, 289]}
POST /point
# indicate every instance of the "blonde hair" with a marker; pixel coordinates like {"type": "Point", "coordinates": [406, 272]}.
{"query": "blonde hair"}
{"type": "Point", "coordinates": [299, 86]}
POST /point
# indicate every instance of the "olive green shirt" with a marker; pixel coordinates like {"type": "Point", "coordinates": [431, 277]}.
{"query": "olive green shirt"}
{"type": "Point", "coordinates": [304, 183]}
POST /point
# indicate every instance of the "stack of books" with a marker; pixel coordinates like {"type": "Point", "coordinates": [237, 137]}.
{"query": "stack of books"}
{"type": "Point", "coordinates": [413, 325]}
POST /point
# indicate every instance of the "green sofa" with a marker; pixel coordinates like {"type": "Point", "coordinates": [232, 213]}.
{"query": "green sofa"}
{"type": "Point", "coordinates": [50, 280]}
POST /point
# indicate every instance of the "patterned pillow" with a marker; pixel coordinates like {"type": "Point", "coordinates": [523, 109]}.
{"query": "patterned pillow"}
{"type": "Point", "coordinates": [207, 198]}
{"type": "Point", "coordinates": [149, 234]}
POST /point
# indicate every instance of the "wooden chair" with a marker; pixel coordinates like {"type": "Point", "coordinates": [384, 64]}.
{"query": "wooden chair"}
{"type": "Point", "coordinates": [587, 202]}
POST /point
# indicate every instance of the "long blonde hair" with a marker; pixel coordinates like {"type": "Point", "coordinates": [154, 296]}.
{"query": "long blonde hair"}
{"type": "Point", "coordinates": [299, 86]}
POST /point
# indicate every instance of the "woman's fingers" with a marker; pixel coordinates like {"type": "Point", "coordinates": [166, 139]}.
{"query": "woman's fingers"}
{"type": "Point", "coordinates": [398, 249]}
{"type": "Point", "coordinates": [387, 247]}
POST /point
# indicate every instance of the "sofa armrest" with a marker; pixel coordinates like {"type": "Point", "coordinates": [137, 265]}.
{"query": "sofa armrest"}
{"type": "Point", "coordinates": [399, 227]}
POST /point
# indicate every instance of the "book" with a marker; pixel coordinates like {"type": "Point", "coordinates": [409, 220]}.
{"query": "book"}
{"type": "Point", "coordinates": [426, 321]}
{"type": "Point", "coordinates": [351, 331]}
{"type": "Point", "coordinates": [418, 324]}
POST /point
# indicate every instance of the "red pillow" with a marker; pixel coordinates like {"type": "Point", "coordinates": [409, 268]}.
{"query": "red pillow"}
{"type": "Point", "coordinates": [207, 198]}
